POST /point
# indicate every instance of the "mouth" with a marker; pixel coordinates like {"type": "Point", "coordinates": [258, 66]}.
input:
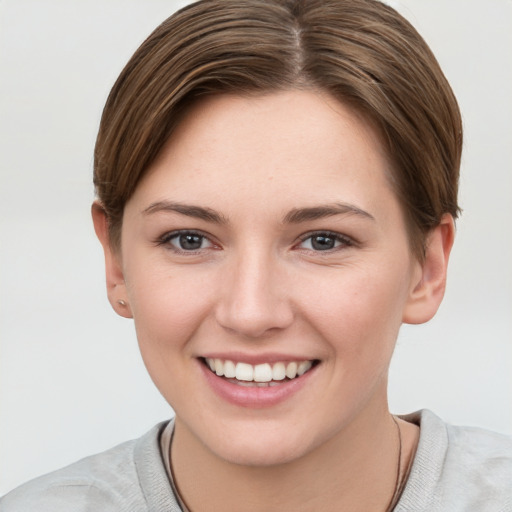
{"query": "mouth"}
{"type": "Point", "coordinates": [259, 375]}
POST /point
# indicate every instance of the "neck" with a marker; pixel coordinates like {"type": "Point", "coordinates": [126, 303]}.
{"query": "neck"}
{"type": "Point", "coordinates": [354, 470]}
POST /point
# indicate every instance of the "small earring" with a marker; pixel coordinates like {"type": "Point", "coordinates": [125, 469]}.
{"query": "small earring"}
{"type": "Point", "coordinates": [121, 302]}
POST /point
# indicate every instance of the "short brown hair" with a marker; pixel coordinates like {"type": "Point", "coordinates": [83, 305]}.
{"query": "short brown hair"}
{"type": "Point", "coordinates": [362, 52]}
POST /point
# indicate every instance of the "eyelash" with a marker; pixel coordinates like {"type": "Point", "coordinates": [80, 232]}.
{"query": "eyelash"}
{"type": "Point", "coordinates": [343, 241]}
{"type": "Point", "coordinates": [167, 238]}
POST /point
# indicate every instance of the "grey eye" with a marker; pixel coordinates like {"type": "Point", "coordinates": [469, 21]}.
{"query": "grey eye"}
{"type": "Point", "coordinates": [189, 242]}
{"type": "Point", "coordinates": [322, 242]}
{"type": "Point", "coordinates": [325, 241]}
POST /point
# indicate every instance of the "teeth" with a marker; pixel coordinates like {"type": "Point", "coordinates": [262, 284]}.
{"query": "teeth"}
{"type": "Point", "coordinates": [263, 374]}
{"type": "Point", "coordinates": [229, 369]}
{"type": "Point", "coordinates": [291, 370]}
{"type": "Point", "coordinates": [278, 371]}
{"type": "Point", "coordinates": [243, 371]}
{"type": "Point", "coordinates": [302, 368]}
{"type": "Point", "coordinates": [219, 367]}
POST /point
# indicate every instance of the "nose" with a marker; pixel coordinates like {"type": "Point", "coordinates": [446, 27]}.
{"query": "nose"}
{"type": "Point", "coordinates": [254, 298]}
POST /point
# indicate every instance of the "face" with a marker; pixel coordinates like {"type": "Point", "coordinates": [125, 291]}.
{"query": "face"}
{"type": "Point", "coordinates": [268, 270]}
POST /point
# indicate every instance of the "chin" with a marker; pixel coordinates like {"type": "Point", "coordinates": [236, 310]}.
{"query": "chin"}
{"type": "Point", "coordinates": [260, 446]}
{"type": "Point", "coordinates": [260, 455]}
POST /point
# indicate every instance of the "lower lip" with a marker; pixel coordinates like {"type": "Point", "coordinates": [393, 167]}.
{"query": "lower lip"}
{"type": "Point", "coordinates": [253, 396]}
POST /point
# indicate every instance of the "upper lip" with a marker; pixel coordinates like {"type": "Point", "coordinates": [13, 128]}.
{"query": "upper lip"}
{"type": "Point", "coordinates": [255, 359]}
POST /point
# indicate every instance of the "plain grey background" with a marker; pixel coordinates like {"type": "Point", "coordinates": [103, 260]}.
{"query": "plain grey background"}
{"type": "Point", "coordinates": [71, 380]}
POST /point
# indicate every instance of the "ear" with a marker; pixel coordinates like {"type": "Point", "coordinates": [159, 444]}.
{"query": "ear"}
{"type": "Point", "coordinates": [429, 280]}
{"type": "Point", "coordinates": [116, 286]}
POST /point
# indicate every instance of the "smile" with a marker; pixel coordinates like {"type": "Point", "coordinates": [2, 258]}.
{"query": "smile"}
{"type": "Point", "coordinates": [259, 385]}
{"type": "Point", "coordinates": [261, 375]}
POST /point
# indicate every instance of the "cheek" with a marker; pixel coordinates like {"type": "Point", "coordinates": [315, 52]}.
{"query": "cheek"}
{"type": "Point", "coordinates": [168, 306]}
{"type": "Point", "coordinates": [359, 309]}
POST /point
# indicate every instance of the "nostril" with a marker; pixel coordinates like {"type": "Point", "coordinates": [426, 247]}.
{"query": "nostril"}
{"type": "Point", "coordinates": [255, 321]}
{"type": "Point", "coordinates": [253, 302]}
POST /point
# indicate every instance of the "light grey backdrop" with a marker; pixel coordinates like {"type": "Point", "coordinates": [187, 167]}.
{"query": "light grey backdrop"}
{"type": "Point", "coordinates": [71, 380]}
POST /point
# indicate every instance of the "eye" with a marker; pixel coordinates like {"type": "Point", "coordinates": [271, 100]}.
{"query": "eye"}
{"type": "Point", "coordinates": [186, 241]}
{"type": "Point", "coordinates": [324, 241]}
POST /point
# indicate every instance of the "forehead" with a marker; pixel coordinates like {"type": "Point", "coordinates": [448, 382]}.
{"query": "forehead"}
{"type": "Point", "coordinates": [279, 148]}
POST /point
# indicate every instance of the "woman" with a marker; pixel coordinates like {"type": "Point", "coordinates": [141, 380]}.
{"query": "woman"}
{"type": "Point", "coordinates": [277, 189]}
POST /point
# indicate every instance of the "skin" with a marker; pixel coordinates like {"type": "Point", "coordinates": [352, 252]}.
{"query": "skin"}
{"type": "Point", "coordinates": [257, 287]}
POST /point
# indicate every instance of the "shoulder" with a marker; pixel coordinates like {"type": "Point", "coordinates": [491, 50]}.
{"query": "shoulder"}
{"type": "Point", "coordinates": [106, 481]}
{"type": "Point", "coordinates": [471, 450]}
{"type": "Point", "coordinates": [479, 444]}
{"type": "Point", "coordinates": [459, 468]}
{"type": "Point", "coordinates": [481, 458]}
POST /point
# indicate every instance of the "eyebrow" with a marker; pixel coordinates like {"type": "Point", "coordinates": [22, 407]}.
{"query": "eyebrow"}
{"type": "Point", "coordinates": [294, 216]}
{"type": "Point", "coordinates": [198, 212]}
{"type": "Point", "coordinates": [298, 215]}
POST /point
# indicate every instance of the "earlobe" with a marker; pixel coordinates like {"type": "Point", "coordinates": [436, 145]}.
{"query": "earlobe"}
{"type": "Point", "coordinates": [428, 285]}
{"type": "Point", "coordinates": [116, 286]}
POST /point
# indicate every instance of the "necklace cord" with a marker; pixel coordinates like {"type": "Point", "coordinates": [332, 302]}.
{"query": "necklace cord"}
{"type": "Point", "coordinates": [398, 486]}
{"type": "Point", "coordinates": [394, 498]}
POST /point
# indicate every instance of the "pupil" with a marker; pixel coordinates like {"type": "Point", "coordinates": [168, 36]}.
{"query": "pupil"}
{"type": "Point", "coordinates": [322, 243]}
{"type": "Point", "coordinates": [190, 242]}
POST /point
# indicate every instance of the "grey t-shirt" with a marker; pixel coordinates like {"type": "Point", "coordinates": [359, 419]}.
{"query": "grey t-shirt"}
{"type": "Point", "coordinates": [454, 469]}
